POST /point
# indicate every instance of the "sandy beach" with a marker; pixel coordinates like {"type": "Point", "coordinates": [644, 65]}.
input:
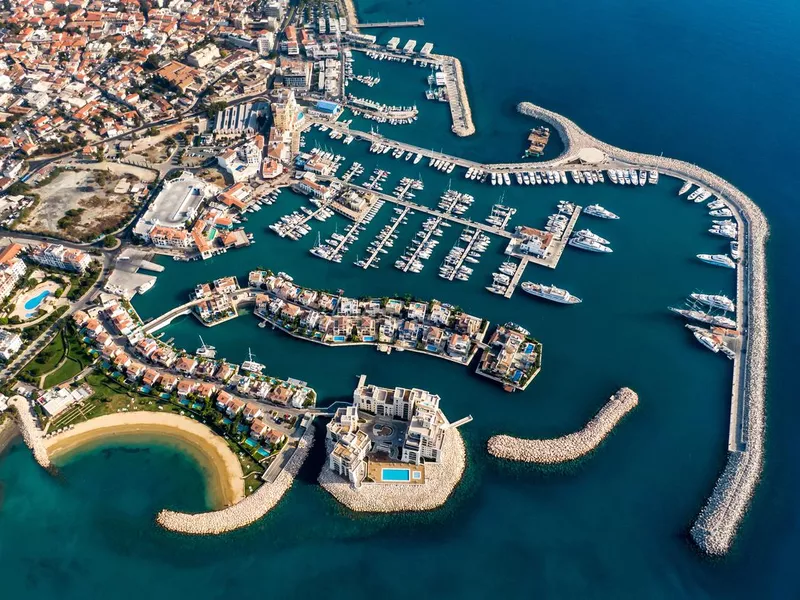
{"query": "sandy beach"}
{"type": "Point", "coordinates": [225, 477]}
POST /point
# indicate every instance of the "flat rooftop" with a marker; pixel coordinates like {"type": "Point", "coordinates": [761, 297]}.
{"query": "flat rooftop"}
{"type": "Point", "coordinates": [177, 202]}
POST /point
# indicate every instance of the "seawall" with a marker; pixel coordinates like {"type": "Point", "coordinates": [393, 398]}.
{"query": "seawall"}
{"type": "Point", "coordinates": [571, 446]}
{"type": "Point", "coordinates": [716, 526]}
{"type": "Point", "coordinates": [248, 510]}
{"type": "Point", "coordinates": [440, 481]}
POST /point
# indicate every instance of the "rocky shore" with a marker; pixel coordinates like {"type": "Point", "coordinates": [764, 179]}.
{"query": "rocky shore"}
{"type": "Point", "coordinates": [568, 447]}
{"type": "Point", "coordinates": [29, 428]}
{"type": "Point", "coordinates": [248, 510]}
{"type": "Point", "coordinates": [716, 526]}
{"type": "Point", "coordinates": [440, 481]}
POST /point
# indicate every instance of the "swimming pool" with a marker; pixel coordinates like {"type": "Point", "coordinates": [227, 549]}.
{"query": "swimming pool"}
{"type": "Point", "coordinates": [395, 474]}
{"type": "Point", "coordinates": [33, 304]}
{"type": "Point", "coordinates": [338, 338]}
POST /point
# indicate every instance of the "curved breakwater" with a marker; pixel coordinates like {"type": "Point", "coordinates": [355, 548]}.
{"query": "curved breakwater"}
{"type": "Point", "coordinates": [716, 526]}
{"type": "Point", "coordinates": [248, 510]}
{"type": "Point", "coordinates": [440, 481]}
{"type": "Point", "coordinates": [571, 446]}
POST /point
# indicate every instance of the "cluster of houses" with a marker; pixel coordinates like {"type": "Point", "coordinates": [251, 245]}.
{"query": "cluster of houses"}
{"type": "Point", "coordinates": [432, 327]}
{"type": "Point", "coordinates": [511, 358]}
{"type": "Point", "coordinates": [216, 301]}
{"type": "Point", "coordinates": [157, 365]}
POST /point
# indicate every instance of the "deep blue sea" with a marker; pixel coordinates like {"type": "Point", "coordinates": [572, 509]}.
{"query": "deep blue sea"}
{"type": "Point", "coordinates": [716, 83]}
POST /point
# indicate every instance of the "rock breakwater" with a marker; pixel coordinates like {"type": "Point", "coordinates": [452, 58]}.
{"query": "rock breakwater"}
{"type": "Point", "coordinates": [248, 510]}
{"type": "Point", "coordinates": [30, 430]}
{"type": "Point", "coordinates": [440, 481]}
{"type": "Point", "coordinates": [716, 526]}
{"type": "Point", "coordinates": [568, 447]}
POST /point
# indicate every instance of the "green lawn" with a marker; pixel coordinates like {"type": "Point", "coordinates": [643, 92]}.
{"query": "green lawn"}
{"type": "Point", "coordinates": [67, 370]}
{"type": "Point", "coordinates": [47, 359]}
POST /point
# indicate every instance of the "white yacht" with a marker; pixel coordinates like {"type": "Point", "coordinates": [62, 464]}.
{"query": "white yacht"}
{"type": "Point", "coordinates": [721, 260]}
{"type": "Point", "coordinates": [588, 244]}
{"type": "Point", "coordinates": [596, 210]}
{"type": "Point", "coordinates": [549, 292]}
{"type": "Point", "coordinates": [715, 301]}
{"type": "Point", "coordinates": [591, 236]}
{"type": "Point", "coordinates": [251, 365]}
{"type": "Point", "coordinates": [205, 351]}
{"type": "Point", "coordinates": [735, 254]}
{"type": "Point", "coordinates": [709, 341]}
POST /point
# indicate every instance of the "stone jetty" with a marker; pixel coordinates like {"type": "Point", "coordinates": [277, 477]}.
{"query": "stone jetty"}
{"type": "Point", "coordinates": [716, 526]}
{"type": "Point", "coordinates": [440, 481]}
{"type": "Point", "coordinates": [29, 427]}
{"type": "Point", "coordinates": [458, 100]}
{"type": "Point", "coordinates": [248, 510]}
{"type": "Point", "coordinates": [568, 447]}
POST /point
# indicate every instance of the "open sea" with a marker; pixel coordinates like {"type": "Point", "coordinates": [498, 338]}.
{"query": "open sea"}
{"type": "Point", "coordinates": [712, 82]}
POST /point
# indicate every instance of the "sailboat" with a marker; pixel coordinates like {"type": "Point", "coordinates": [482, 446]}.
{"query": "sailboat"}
{"type": "Point", "coordinates": [251, 365]}
{"type": "Point", "coordinates": [205, 351]}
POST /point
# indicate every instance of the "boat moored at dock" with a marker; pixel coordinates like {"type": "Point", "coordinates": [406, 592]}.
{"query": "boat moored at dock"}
{"type": "Point", "coordinates": [550, 292]}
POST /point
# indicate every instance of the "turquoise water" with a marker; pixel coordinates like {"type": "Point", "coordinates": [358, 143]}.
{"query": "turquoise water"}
{"type": "Point", "coordinates": [395, 475]}
{"type": "Point", "coordinates": [693, 80]}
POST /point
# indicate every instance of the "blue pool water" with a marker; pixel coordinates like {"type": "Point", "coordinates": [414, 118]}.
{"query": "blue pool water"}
{"type": "Point", "coordinates": [33, 303]}
{"type": "Point", "coordinates": [338, 338]}
{"type": "Point", "coordinates": [395, 475]}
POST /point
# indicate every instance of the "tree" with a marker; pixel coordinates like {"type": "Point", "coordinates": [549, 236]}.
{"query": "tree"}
{"type": "Point", "coordinates": [109, 241]}
{"type": "Point", "coordinates": [216, 107]}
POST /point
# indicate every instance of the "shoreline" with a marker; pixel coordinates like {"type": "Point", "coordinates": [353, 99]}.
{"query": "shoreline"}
{"type": "Point", "coordinates": [8, 432]}
{"type": "Point", "coordinates": [716, 526]}
{"type": "Point", "coordinates": [571, 446]}
{"type": "Point", "coordinates": [440, 481]}
{"type": "Point", "coordinates": [248, 510]}
{"type": "Point", "coordinates": [224, 477]}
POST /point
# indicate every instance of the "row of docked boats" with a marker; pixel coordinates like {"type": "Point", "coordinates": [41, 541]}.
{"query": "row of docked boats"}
{"type": "Point", "coordinates": [441, 165]}
{"type": "Point", "coordinates": [355, 170]}
{"type": "Point", "coordinates": [453, 266]}
{"type": "Point", "coordinates": [456, 203]}
{"type": "Point", "coordinates": [421, 246]}
{"type": "Point", "coordinates": [403, 189]}
{"type": "Point", "coordinates": [633, 176]}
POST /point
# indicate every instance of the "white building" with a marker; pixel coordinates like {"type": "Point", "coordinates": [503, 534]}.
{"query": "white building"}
{"type": "Point", "coordinates": [60, 257]}
{"type": "Point", "coordinates": [10, 343]}
{"type": "Point", "coordinates": [236, 120]}
{"type": "Point", "coordinates": [350, 446]}
{"type": "Point", "coordinates": [56, 400]}
{"type": "Point", "coordinates": [425, 434]}
{"type": "Point", "coordinates": [265, 43]}
{"type": "Point", "coordinates": [204, 56]}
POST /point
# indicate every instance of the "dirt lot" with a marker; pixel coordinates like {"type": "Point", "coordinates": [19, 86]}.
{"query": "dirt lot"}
{"type": "Point", "coordinates": [80, 205]}
{"type": "Point", "coordinates": [154, 148]}
{"type": "Point", "coordinates": [212, 175]}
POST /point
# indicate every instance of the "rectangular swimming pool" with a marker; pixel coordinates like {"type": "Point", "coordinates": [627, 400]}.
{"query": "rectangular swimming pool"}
{"type": "Point", "coordinates": [395, 474]}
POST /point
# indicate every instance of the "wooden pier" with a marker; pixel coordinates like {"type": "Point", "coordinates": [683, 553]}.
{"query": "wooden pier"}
{"type": "Point", "coordinates": [348, 235]}
{"type": "Point", "coordinates": [512, 286]}
{"type": "Point", "coordinates": [388, 235]}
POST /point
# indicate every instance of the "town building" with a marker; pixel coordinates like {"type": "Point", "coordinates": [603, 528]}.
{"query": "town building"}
{"type": "Point", "coordinates": [60, 257]}
{"type": "Point", "coordinates": [10, 343]}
